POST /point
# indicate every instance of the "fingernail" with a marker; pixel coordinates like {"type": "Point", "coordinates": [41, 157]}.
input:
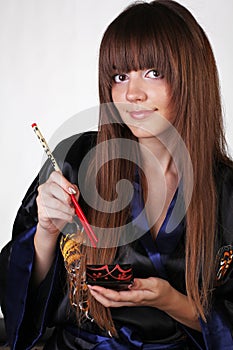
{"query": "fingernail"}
{"type": "Point", "coordinates": [72, 190]}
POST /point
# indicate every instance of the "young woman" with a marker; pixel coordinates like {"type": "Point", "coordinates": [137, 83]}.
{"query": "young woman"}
{"type": "Point", "coordinates": [161, 130]}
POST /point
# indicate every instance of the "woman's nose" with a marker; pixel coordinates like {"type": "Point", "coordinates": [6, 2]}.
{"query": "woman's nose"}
{"type": "Point", "coordinates": [135, 91]}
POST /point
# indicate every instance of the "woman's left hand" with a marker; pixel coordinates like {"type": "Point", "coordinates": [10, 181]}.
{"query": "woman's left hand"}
{"type": "Point", "coordinates": [154, 292]}
{"type": "Point", "coordinates": [151, 291]}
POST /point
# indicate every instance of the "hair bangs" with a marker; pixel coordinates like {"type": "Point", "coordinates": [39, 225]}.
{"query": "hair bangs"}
{"type": "Point", "coordinates": [137, 40]}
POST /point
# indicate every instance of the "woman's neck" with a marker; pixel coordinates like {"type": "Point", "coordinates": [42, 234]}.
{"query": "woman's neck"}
{"type": "Point", "coordinates": [154, 151]}
{"type": "Point", "coordinates": [161, 181]}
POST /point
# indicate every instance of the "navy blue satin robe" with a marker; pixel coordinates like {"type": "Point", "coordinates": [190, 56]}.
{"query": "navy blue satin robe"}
{"type": "Point", "coordinates": [28, 312]}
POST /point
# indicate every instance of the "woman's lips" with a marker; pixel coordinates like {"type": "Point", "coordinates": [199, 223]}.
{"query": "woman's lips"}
{"type": "Point", "coordinates": [141, 114]}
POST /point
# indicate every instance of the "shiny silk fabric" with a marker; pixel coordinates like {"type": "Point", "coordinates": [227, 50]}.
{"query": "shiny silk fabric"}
{"type": "Point", "coordinates": [28, 312]}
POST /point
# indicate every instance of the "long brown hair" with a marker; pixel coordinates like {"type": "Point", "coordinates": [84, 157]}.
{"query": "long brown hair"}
{"type": "Point", "coordinates": [164, 35]}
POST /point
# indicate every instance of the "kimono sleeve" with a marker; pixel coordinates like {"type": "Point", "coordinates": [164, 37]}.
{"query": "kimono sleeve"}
{"type": "Point", "coordinates": [26, 311]}
{"type": "Point", "coordinates": [218, 330]}
{"type": "Point", "coordinates": [24, 308]}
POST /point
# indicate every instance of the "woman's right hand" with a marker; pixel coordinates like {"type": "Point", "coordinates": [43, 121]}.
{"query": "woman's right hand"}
{"type": "Point", "coordinates": [54, 203]}
{"type": "Point", "coordinates": [54, 211]}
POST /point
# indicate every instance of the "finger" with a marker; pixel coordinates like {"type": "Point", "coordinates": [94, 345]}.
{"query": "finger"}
{"type": "Point", "coordinates": [128, 296]}
{"type": "Point", "coordinates": [102, 298]}
{"type": "Point", "coordinates": [60, 180]}
{"type": "Point", "coordinates": [53, 190]}
{"type": "Point", "coordinates": [48, 205]}
{"type": "Point", "coordinates": [52, 196]}
{"type": "Point", "coordinates": [109, 293]}
{"type": "Point", "coordinates": [77, 194]}
{"type": "Point", "coordinates": [138, 284]}
{"type": "Point", "coordinates": [54, 214]}
{"type": "Point", "coordinates": [150, 283]}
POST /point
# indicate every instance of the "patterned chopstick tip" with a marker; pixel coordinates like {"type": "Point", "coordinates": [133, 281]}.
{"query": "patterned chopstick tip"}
{"type": "Point", "coordinates": [45, 146]}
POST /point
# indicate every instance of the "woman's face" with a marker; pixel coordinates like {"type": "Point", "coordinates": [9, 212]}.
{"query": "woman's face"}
{"type": "Point", "coordinates": [143, 100]}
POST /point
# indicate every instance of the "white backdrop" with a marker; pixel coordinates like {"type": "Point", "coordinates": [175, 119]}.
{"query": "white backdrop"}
{"type": "Point", "coordinates": [48, 73]}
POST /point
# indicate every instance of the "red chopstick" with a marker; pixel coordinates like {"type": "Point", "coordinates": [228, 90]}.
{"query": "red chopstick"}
{"type": "Point", "coordinates": [84, 221]}
{"type": "Point", "coordinates": [78, 210]}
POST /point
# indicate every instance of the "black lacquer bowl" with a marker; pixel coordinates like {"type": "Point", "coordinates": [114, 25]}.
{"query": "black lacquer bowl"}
{"type": "Point", "coordinates": [117, 277]}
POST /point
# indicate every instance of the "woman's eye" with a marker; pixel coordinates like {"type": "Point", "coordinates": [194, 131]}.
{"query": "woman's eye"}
{"type": "Point", "coordinates": [119, 78]}
{"type": "Point", "coordinates": [154, 74]}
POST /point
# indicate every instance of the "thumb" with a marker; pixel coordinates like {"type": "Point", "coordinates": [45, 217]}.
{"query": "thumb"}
{"type": "Point", "coordinates": [73, 189]}
{"type": "Point", "coordinates": [137, 284]}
